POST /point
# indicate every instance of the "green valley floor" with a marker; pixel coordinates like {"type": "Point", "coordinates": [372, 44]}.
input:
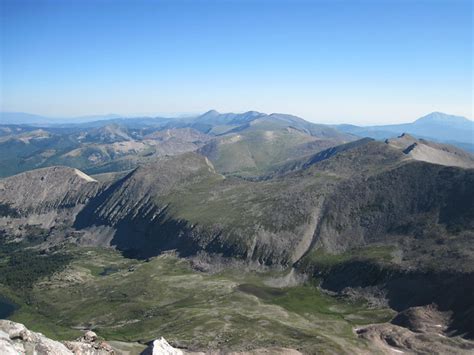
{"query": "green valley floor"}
{"type": "Point", "coordinates": [127, 300]}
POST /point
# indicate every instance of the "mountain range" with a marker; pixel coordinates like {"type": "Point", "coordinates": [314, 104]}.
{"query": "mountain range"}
{"type": "Point", "coordinates": [388, 221]}
{"type": "Point", "coordinates": [250, 144]}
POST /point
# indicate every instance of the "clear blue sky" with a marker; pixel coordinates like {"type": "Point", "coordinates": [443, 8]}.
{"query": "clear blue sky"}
{"type": "Point", "coordinates": [327, 61]}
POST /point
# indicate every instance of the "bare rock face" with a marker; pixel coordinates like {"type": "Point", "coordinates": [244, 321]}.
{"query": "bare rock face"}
{"type": "Point", "coordinates": [16, 339]}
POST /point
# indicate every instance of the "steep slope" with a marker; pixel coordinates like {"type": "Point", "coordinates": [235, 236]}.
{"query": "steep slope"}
{"type": "Point", "coordinates": [182, 203]}
{"type": "Point", "coordinates": [399, 201]}
{"type": "Point", "coordinates": [49, 196]}
{"type": "Point", "coordinates": [360, 196]}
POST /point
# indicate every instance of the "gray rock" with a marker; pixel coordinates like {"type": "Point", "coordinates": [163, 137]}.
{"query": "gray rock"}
{"type": "Point", "coordinates": [16, 339]}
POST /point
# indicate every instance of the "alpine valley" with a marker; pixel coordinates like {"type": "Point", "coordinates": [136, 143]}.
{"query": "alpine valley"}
{"type": "Point", "coordinates": [244, 233]}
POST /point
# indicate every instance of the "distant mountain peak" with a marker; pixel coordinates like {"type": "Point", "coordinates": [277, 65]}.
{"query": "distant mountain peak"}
{"type": "Point", "coordinates": [440, 117]}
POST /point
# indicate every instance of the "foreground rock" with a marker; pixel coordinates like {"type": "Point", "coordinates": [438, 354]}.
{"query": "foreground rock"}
{"type": "Point", "coordinates": [16, 339]}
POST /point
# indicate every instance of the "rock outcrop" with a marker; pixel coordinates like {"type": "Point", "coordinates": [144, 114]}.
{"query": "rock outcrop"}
{"type": "Point", "coordinates": [16, 339]}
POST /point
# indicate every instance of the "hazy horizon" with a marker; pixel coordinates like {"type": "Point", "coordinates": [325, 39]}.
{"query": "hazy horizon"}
{"type": "Point", "coordinates": [369, 62]}
{"type": "Point", "coordinates": [179, 115]}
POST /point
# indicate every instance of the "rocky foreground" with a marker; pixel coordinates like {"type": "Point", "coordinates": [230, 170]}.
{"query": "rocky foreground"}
{"type": "Point", "coordinates": [419, 330]}
{"type": "Point", "coordinates": [16, 339]}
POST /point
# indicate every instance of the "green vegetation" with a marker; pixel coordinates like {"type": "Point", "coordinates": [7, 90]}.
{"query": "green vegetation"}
{"type": "Point", "coordinates": [257, 150]}
{"type": "Point", "coordinates": [21, 267]}
{"type": "Point", "coordinates": [129, 300]}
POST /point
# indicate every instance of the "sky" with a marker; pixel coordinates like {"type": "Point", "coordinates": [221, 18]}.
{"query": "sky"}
{"type": "Point", "coordinates": [333, 61]}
